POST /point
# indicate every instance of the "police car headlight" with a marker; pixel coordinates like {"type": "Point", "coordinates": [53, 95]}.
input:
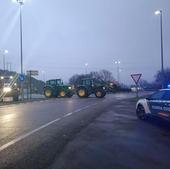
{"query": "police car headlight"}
{"type": "Point", "coordinates": [7, 89]}
{"type": "Point", "coordinates": [69, 87]}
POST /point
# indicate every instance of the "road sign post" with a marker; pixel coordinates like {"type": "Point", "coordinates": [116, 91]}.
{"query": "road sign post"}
{"type": "Point", "coordinates": [31, 73]}
{"type": "Point", "coordinates": [30, 83]}
{"type": "Point", "coordinates": [136, 78]}
{"type": "Point", "coordinates": [21, 79]}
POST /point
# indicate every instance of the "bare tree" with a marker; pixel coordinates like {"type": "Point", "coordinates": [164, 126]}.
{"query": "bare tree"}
{"type": "Point", "coordinates": [106, 75]}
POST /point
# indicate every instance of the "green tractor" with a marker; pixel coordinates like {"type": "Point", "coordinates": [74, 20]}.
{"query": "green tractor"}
{"type": "Point", "coordinates": [56, 88]}
{"type": "Point", "coordinates": [89, 86]}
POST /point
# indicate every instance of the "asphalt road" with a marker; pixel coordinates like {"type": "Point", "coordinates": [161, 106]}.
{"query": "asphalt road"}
{"type": "Point", "coordinates": [73, 133]}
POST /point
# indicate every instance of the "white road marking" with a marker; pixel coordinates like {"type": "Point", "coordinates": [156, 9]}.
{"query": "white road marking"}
{"type": "Point", "coordinates": [68, 114]}
{"type": "Point", "coordinates": [27, 134]}
{"type": "Point", "coordinates": [40, 128]}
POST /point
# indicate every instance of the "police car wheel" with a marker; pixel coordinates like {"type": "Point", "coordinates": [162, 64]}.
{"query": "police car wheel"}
{"type": "Point", "coordinates": [140, 112]}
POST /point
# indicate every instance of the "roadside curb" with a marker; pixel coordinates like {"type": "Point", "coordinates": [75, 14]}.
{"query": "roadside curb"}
{"type": "Point", "coordinates": [22, 102]}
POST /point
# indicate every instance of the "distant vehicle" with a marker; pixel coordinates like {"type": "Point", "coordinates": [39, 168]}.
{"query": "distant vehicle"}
{"type": "Point", "coordinates": [9, 88]}
{"type": "Point", "coordinates": [56, 88]}
{"type": "Point", "coordinates": [89, 86]}
{"type": "Point", "coordinates": [158, 104]}
{"type": "Point", "coordinates": [134, 89]}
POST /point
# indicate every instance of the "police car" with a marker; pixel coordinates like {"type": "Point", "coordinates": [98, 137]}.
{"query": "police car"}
{"type": "Point", "coordinates": [158, 104]}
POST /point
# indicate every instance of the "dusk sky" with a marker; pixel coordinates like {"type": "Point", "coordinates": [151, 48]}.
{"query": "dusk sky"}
{"type": "Point", "coordinates": [60, 36]}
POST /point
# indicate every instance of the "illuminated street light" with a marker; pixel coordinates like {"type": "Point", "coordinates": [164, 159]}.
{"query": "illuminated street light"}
{"type": "Point", "coordinates": [117, 62]}
{"type": "Point", "coordinates": [6, 51]}
{"type": "Point", "coordinates": [159, 12]}
{"type": "Point", "coordinates": [118, 70]}
{"type": "Point", "coordinates": [86, 65]}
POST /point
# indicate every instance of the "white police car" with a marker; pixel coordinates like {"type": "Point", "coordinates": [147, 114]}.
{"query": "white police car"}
{"type": "Point", "coordinates": [158, 104]}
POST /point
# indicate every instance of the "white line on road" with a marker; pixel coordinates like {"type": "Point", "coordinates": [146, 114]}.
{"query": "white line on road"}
{"type": "Point", "coordinates": [68, 114]}
{"type": "Point", "coordinates": [40, 128]}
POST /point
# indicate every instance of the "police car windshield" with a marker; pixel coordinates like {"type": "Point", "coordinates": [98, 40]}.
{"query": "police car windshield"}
{"type": "Point", "coordinates": [157, 96]}
{"type": "Point", "coordinates": [167, 95]}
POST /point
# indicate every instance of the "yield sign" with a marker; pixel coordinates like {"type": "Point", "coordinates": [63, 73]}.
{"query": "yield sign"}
{"type": "Point", "coordinates": [136, 77]}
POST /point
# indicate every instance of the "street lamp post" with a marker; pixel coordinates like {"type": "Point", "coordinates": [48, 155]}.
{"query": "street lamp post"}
{"type": "Point", "coordinates": [118, 70]}
{"type": "Point", "coordinates": [4, 55]}
{"type": "Point", "coordinates": [86, 65]}
{"type": "Point", "coordinates": [43, 75]}
{"type": "Point", "coordinates": [21, 3]}
{"type": "Point", "coordinates": [159, 12]}
{"type": "Point", "coordinates": [9, 66]}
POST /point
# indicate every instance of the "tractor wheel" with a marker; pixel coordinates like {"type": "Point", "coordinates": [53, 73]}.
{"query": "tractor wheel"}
{"type": "Point", "coordinates": [62, 94]}
{"type": "Point", "coordinates": [82, 92]}
{"type": "Point", "coordinates": [100, 93]}
{"type": "Point", "coordinates": [48, 92]}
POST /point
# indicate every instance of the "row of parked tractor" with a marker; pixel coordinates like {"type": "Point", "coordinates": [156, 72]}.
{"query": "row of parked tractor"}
{"type": "Point", "coordinates": [85, 88]}
{"type": "Point", "coordinates": [10, 88]}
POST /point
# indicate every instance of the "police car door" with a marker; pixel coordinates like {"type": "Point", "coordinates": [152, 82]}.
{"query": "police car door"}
{"type": "Point", "coordinates": [155, 102]}
{"type": "Point", "coordinates": [166, 105]}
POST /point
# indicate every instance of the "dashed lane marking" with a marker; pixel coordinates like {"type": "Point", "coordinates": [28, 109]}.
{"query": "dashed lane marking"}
{"type": "Point", "coordinates": [5, 146]}
{"type": "Point", "coordinates": [68, 114]}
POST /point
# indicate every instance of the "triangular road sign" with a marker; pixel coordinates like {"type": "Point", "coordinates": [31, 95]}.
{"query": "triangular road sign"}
{"type": "Point", "coordinates": [136, 77]}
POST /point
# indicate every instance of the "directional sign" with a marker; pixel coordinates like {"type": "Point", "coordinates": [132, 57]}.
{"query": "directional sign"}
{"type": "Point", "coordinates": [32, 72]}
{"type": "Point", "coordinates": [21, 77]}
{"type": "Point", "coordinates": [136, 77]}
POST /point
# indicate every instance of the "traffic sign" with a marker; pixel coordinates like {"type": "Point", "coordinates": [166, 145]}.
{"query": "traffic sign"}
{"type": "Point", "coordinates": [136, 77]}
{"type": "Point", "coordinates": [32, 72]}
{"type": "Point", "coordinates": [21, 77]}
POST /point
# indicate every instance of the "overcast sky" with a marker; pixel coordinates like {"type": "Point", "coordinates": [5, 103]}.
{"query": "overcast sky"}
{"type": "Point", "coordinates": [60, 36]}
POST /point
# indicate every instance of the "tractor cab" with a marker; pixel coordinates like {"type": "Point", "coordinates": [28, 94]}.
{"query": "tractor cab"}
{"type": "Point", "coordinates": [87, 82]}
{"type": "Point", "coordinates": [55, 82]}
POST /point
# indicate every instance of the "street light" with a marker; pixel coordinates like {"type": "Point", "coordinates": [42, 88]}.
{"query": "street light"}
{"type": "Point", "coordinates": [4, 52]}
{"type": "Point", "coordinates": [86, 65]}
{"type": "Point", "coordinates": [21, 3]}
{"type": "Point", "coordinates": [118, 70]}
{"type": "Point", "coordinates": [43, 75]}
{"type": "Point", "coordinates": [159, 12]}
{"type": "Point", "coordinates": [9, 66]}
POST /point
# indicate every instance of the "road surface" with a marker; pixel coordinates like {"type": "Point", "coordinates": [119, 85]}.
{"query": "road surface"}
{"type": "Point", "coordinates": [73, 133]}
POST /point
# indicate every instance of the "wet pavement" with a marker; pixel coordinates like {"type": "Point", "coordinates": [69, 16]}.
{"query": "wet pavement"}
{"type": "Point", "coordinates": [81, 134]}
